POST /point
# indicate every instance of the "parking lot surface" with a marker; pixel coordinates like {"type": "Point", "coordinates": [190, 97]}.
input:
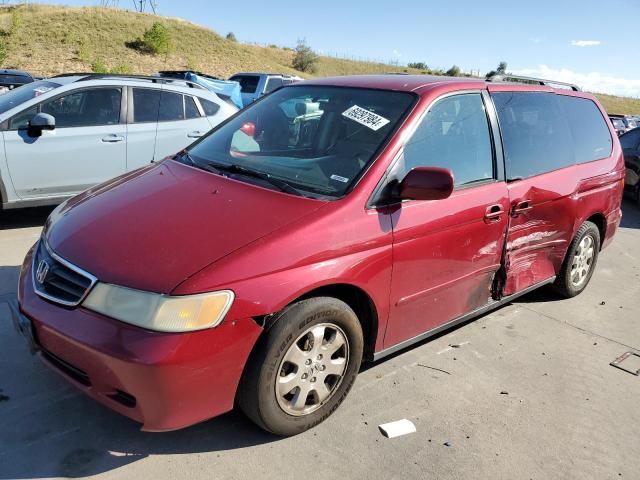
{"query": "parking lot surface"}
{"type": "Point", "coordinates": [524, 392]}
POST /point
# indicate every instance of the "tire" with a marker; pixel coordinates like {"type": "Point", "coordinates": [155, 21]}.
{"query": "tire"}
{"type": "Point", "coordinates": [580, 261]}
{"type": "Point", "coordinates": [289, 373]}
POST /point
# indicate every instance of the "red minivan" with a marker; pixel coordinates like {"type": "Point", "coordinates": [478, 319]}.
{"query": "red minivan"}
{"type": "Point", "coordinates": [333, 221]}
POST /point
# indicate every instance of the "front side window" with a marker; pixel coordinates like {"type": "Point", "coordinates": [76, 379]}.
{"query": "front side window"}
{"type": "Point", "coordinates": [22, 119]}
{"type": "Point", "coordinates": [318, 139]}
{"type": "Point", "coordinates": [589, 130]}
{"type": "Point", "coordinates": [453, 134]}
{"type": "Point", "coordinates": [535, 133]}
{"type": "Point", "coordinates": [95, 106]}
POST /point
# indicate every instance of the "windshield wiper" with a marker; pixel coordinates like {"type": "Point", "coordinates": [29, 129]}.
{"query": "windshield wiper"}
{"type": "Point", "coordinates": [203, 166]}
{"type": "Point", "coordinates": [249, 172]}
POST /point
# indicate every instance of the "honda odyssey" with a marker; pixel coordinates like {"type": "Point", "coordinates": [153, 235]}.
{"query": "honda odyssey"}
{"type": "Point", "coordinates": [332, 221]}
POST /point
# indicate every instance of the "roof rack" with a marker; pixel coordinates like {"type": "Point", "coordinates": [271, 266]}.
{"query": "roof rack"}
{"type": "Point", "coordinates": [536, 81]}
{"type": "Point", "coordinates": [155, 79]}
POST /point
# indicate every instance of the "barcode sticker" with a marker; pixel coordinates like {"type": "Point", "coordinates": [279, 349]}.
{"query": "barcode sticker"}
{"type": "Point", "coordinates": [365, 117]}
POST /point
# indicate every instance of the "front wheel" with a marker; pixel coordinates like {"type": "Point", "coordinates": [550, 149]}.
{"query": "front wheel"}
{"type": "Point", "coordinates": [303, 367]}
{"type": "Point", "coordinates": [580, 261]}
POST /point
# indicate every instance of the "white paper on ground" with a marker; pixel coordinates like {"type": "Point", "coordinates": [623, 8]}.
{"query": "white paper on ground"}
{"type": "Point", "coordinates": [398, 428]}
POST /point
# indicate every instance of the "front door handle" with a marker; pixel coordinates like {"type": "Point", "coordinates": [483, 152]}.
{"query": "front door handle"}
{"type": "Point", "coordinates": [521, 206]}
{"type": "Point", "coordinates": [113, 138]}
{"type": "Point", "coordinates": [493, 213]}
{"type": "Point", "coordinates": [194, 134]}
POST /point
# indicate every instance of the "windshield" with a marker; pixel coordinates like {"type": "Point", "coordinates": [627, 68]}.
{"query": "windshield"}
{"type": "Point", "coordinates": [26, 92]}
{"type": "Point", "coordinates": [315, 138]}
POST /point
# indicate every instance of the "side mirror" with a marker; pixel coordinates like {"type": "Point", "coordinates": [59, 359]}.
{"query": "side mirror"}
{"type": "Point", "coordinates": [426, 183]}
{"type": "Point", "coordinates": [40, 122]}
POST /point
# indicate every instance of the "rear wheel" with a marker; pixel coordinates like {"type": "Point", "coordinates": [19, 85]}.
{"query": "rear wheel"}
{"type": "Point", "coordinates": [580, 261]}
{"type": "Point", "coordinates": [303, 367]}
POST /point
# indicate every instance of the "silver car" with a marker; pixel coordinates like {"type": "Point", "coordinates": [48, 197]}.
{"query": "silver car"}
{"type": "Point", "coordinates": [65, 134]}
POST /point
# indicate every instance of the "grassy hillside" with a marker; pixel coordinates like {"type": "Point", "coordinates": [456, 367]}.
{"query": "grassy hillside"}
{"type": "Point", "coordinates": [48, 40]}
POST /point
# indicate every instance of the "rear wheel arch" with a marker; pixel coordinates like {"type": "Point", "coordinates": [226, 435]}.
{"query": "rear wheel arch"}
{"type": "Point", "coordinates": [600, 221]}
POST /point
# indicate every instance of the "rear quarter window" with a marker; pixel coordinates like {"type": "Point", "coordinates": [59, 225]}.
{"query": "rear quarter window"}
{"type": "Point", "coordinates": [210, 108]}
{"type": "Point", "coordinates": [535, 133]}
{"type": "Point", "coordinates": [591, 137]}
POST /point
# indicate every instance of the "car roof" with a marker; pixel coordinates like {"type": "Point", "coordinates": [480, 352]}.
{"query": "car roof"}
{"type": "Point", "coordinates": [414, 83]}
{"type": "Point", "coordinates": [259, 74]}
{"type": "Point", "coordinates": [11, 71]}
{"type": "Point", "coordinates": [177, 84]}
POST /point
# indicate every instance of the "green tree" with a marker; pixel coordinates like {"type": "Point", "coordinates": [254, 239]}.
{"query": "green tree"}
{"type": "Point", "coordinates": [501, 69]}
{"type": "Point", "coordinates": [231, 37]}
{"type": "Point", "coordinates": [418, 65]}
{"type": "Point", "coordinates": [305, 59]}
{"type": "Point", "coordinates": [454, 71]}
{"type": "Point", "coordinates": [157, 39]}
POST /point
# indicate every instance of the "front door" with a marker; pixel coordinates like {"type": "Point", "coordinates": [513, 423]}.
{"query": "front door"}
{"type": "Point", "coordinates": [88, 145]}
{"type": "Point", "coordinates": [446, 253]}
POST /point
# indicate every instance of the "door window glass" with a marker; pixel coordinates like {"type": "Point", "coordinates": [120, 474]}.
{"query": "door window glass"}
{"type": "Point", "coordinates": [454, 134]}
{"type": "Point", "coordinates": [190, 108]}
{"type": "Point", "coordinates": [22, 119]}
{"type": "Point", "coordinates": [210, 108]}
{"type": "Point", "coordinates": [535, 133]}
{"type": "Point", "coordinates": [272, 84]}
{"type": "Point", "coordinates": [96, 106]}
{"type": "Point", "coordinates": [248, 83]}
{"type": "Point", "coordinates": [589, 130]}
{"type": "Point", "coordinates": [171, 107]}
{"type": "Point", "coordinates": [146, 102]}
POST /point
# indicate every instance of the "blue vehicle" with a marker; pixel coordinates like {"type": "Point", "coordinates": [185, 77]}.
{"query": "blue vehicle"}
{"type": "Point", "coordinates": [254, 85]}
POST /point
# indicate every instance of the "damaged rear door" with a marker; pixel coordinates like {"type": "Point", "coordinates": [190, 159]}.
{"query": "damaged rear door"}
{"type": "Point", "coordinates": [541, 181]}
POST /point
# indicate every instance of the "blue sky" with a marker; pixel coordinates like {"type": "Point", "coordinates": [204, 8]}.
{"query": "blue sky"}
{"type": "Point", "coordinates": [586, 41]}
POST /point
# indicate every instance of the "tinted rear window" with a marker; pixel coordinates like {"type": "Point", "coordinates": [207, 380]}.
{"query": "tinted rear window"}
{"type": "Point", "coordinates": [535, 133]}
{"type": "Point", "coordinates": [171, 107]}
{"type": "Point", "coordinates": [630, 139]}
{"type": "Point", "coordinates": [145, 105]}
{"type": "Point", "coordinates": [591, 137]}
{"type": "Point", "coordinates": [248, 83]}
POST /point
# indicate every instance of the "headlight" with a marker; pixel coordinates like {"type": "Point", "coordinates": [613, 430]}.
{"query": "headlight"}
{"type": "Point", "coordinates": [163, 313]}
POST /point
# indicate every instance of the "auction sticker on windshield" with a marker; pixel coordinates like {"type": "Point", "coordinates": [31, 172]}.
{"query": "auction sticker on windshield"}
{"type": "Point", "coordinates": [365, 117]}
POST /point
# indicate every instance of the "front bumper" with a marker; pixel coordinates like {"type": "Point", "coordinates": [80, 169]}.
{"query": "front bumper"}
{"type": "Point", "coordinates": [165, 381]}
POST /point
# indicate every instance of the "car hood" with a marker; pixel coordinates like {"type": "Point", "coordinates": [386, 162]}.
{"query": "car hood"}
{"type": "Point", "coordinates": [153, 228]}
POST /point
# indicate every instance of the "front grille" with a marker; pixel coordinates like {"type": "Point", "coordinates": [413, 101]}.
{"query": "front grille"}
{"type": "Point", "coordinates": [58, 280]}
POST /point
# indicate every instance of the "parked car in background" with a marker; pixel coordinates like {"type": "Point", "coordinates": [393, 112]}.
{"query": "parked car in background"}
{"type": "Point", "coordinates": [180, 289]}
{"type": "Point", "coordinates": [10, 79]}
{"type": "Point", "coordinates": [628, 121]}
{"type": "Point", "coordinates": [65, 134]}
{"type": "Point", "coordinates": [630, 143]}
{"type": "Point", "coordinates": [618, 124]}
{"type": "Point", "coordinates": [254, 85]}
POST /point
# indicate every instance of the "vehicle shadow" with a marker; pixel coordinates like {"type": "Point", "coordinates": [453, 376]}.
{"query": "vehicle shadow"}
{"type": "Point", "coordinates": [24, 217]}
{"type": "Point", "coordinates": [630, 214]}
